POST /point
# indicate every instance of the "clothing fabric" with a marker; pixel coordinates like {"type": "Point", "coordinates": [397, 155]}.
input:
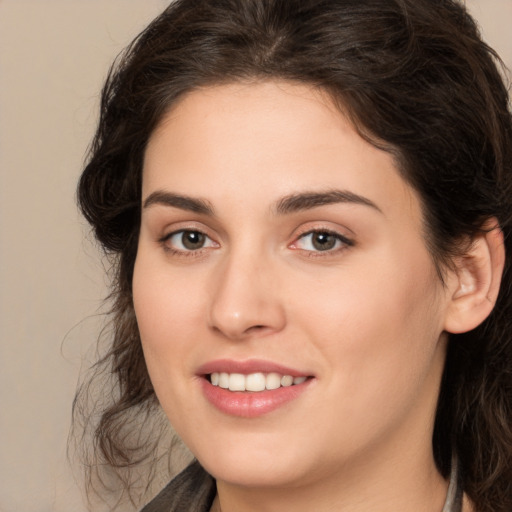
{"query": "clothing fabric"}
{"type": "Point", "coordinates": [193, 490]}
{"type": "Point", "coordinates": [454, 495]}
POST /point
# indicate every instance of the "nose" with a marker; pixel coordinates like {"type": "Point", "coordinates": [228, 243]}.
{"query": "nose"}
{"type": "Point", "coordinates": [246, 299]}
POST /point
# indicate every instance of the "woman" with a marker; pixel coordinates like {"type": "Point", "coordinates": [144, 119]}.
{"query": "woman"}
{"type": "Point", "coordinates": [308, 205]}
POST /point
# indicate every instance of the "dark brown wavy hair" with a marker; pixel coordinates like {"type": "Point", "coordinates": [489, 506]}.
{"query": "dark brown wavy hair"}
{"type": "Point", "coordinates": [416, 79]}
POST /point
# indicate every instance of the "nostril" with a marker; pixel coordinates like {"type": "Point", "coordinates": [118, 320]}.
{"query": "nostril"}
{"type": "Point", "coordinates": [255, 328]}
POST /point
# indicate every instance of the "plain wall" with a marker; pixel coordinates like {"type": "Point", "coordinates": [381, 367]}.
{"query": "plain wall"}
{"type": "Point", "coordinates": [54, 55]}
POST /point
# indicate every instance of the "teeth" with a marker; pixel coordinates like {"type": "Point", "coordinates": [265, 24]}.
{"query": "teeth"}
{"type": "Point", "coordinates": [236, 382]}
{"type": "Point", "coordinates": [224, 380]}
{"type": "Point", "coordinates": [286, 380]}
{"type": "Point", "coordinates": [253, 381]}
{"type": "Point", "coordinates": [273, 381]}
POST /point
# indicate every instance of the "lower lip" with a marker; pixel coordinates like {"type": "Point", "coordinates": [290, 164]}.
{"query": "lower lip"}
{"type": "Point", "coordinates": [247, 404]}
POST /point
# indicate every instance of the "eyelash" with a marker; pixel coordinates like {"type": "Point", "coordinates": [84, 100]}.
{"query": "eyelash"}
{"type": "Point", "coordinates": [165, 242]}
{"type": "Point", "coordinates": [341, 242]}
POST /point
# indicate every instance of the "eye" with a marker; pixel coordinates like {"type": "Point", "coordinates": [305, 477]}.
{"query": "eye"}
{"type": "Point", "coordinates": [321, 241]}
{"type": "Point", "coordinates": [188, 240]}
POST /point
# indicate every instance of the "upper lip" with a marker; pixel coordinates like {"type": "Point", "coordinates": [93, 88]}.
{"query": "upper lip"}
{"type": "Point", "coordinates": [247, 367]}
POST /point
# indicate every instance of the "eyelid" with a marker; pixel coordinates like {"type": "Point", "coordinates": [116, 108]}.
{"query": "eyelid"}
{"type": "Point", "coordinates": [165, 241]}
{"type": "Point", "coordinates": [343, 239]}
{"type": "Point", "coordinates": [307, 230]}
{"type": "Point", "coordinates": [165, 231]}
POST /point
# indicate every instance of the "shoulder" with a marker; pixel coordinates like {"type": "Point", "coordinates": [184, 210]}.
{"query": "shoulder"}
{"type": "Point", "coordinates": [192, 490]}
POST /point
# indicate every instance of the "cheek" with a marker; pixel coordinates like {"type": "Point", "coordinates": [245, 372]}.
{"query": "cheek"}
{"type": "Point", "coordinates": [378, 334]}
{"type": "Point", "coordinates": [167, 312]}
{"type": "Point", "coordinates": [378, 325]}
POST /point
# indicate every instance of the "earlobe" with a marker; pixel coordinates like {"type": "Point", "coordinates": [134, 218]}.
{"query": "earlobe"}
{"type": "Point", "coordinates": [475, 280]}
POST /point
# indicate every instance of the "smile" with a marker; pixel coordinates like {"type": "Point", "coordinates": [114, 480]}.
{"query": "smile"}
{"type": "Point", "coordinates": [254, 382]}
{"type": "Point", "coordinates": [252, 388]}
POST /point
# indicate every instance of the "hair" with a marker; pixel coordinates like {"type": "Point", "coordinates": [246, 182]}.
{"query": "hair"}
{"type": "Point", "coordinates": [416, 79]}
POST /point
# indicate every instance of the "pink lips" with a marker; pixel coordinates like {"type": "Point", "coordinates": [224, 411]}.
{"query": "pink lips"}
{"type": "Point", "coordinates": [246, 367]}
{"type": "Point", "coordinates": [249, 404]}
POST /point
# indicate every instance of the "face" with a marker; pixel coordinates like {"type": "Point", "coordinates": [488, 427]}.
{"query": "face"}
{"type": "Point", "coordinates": [289, 311]}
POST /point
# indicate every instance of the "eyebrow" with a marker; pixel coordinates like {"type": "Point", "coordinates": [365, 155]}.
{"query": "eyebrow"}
{"type": "Point", "coordinates": [288, 204]}
{"type": "Point", "coordinates": [309, 200]}
{"type": "Point", "coordinates": [187, 203]}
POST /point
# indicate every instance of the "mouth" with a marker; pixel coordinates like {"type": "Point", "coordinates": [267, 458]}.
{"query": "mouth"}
{"type": "Point", "coordinates": [252, 388]}
{"type": "Point", "coordinates": [253, 382]}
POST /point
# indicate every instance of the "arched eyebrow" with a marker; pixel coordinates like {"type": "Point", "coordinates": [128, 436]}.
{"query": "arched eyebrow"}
{"type": "Point", "coordinates": [309, 200]}
{"type": "Point", "coordinates": [191, 204]}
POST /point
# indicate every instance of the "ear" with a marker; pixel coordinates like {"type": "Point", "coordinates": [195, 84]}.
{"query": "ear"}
{"type": "Point", "coordinates": [474, 283]}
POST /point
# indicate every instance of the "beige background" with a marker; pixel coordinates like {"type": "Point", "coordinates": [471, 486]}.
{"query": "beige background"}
{"type": "Point", "coordinates": [54, 55]}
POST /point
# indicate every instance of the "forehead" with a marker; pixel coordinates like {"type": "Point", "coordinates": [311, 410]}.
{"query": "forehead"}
{"type": "Point", "coordinates": [265, 140]}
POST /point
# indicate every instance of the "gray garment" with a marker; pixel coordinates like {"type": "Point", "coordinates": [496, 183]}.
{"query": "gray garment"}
{"type": "Point", "coordinates": [453, 501]}
{"type": "Point", "coordinates": [193, 490]}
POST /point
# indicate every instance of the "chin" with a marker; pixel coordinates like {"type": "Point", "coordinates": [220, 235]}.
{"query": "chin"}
{"type": "Point", "coordinates": [246, 473]}
{"type": "Point", "coordinates": [244, 465]}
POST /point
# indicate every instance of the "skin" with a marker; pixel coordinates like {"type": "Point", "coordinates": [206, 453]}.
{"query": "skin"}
{"type": "Point", "coordinates": [366, 319]}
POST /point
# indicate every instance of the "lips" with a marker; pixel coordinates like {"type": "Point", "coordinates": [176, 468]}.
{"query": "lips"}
{"type": "Point", "coordinates": [251, 388]}
{"type": "Point", "coordinates": [247, 367]}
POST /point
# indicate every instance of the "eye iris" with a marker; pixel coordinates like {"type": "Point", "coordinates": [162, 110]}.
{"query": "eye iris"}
{"type": "Point", "coordinates": [323, 241]}
{"type": "Point", "coordinates": [192, 240]}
